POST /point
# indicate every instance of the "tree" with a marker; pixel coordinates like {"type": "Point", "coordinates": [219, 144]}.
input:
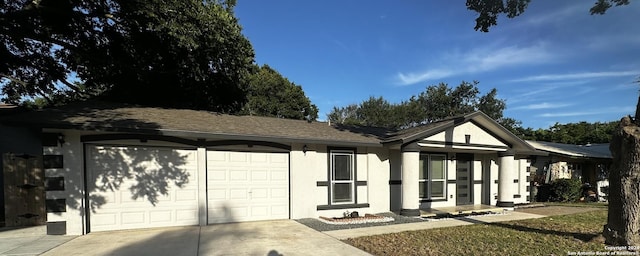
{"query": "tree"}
{"type": "Point", "coordinates": [623, 220]}
{"type": "Point", "coordinates": [344, 115]}
{"type": "Point", "coordinates": [579, 133]}
{"type": "Point", "coordinates": [271, 94]}
{"type": "Point", "coordinates": [186, 53]}
{"type": "Point", "coordinates": [489, 10]}
{"type": "Point", "coordinates": [437, 102]}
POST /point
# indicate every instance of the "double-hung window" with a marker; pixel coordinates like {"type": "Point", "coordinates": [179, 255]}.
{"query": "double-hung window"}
{"type": "Point", "coordinates": [342, 176]}
{"type": "Point", "coordinates": [433, 176]}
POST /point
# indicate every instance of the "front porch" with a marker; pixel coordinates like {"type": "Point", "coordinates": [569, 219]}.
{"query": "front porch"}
{"type": "Point", "coordinates": [460, 210]}
{"type": "Point", "coordinates": [463, 164]}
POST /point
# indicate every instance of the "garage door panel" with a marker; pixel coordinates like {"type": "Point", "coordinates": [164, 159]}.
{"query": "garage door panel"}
{"type": "Point", "coordinates": [217, 194]}
{"type": "Point", "coordinates": [279, 193]}
{"type": "Point", "coordinates": [259, 158]}
{"type": "Point", "coordinates": [257, 193]}
{"type": "Point", "coordinates": [279, 158]}
{"type": "Point", "coordinates": [133, 217]}
{"type": "Point", "coordinates": [104, 219]}
{"type": "Point", "coordinates": [238, 157]}
{"type": "Point", "coordinates": [256, 189]}
{"type": "Point", "coordinates": [187, 216]}
{"type": "Point", "coordinates": [143, 187]}
{"type": "Point", "coordinates": [279, 175]}
{"type": "Point", "coordinates": [259, 175]}
{"type": "Point", "coordinates": [238, 194]}
{"type": "Point", "coordinates": [160, 216]}
{"type": "Point", "coordinates": [187, 195]}
{"type": "Point", "coordinates": [238, 175]}
{"type": "Point", "coordinates": [217, 175]}
{"type": "Point", "coordinates": [280, 210]}
{"type": "Point", "coordinates": [260, 211]}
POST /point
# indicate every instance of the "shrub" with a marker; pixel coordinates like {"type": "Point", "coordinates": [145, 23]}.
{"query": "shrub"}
{"type": "Point", "coordinates": [565, 190]}
{"type": "Point", "coordinates": [544, 193]}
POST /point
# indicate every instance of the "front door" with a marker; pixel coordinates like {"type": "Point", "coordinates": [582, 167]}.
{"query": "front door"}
{"type": "Point", "coordinates": [463, 179]}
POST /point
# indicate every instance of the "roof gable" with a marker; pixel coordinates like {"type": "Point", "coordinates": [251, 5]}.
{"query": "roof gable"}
{"type": "Point", "coordinates": [486, 130]}
{"type": "Point", "coordinates": [459, 134]}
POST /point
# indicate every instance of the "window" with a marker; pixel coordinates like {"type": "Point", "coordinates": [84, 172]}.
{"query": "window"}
{"type": "Point", "coordinates": [52, 161]}
{"type": "Point", "coordinates": [342, 177]}
{"type": "Point", "coordinates": [432, 178]}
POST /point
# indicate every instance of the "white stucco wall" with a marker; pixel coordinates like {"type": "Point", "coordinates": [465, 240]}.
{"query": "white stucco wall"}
{"type": "Point", "coordinates": [477, 176]}
{"type": "Point", "coordinates": [306, 170]}
{"type": "Point", "coordinates": [304, 194]}
{"type": "Point", "coordinates": [457, 135]}
{"type": "Point", "coordinates": [375, 165]}
{"type": "Point", "coordinates": [72, 171]}
{"type": "Point", "coordinates": [378, 180]}
{"type": "Point", "coordinates": [523, 177]}
{"type": "Point", "coordinates": [372, 166]}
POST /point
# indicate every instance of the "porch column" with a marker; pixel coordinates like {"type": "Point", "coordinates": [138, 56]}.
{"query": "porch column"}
{"type": "Point", "coordinates": [506, 186]}
{"type": "Point", "coordinates": [410, 176]}
{"type": "Point", "coordinates": [202, 186]}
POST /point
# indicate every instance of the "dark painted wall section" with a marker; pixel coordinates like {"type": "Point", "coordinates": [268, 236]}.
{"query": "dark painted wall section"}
{"type": "Point", "coordinates": [18, 140]}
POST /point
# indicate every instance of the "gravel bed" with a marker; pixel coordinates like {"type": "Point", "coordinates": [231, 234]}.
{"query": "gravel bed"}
{"type": "Point", "coordinates": [322, 226]}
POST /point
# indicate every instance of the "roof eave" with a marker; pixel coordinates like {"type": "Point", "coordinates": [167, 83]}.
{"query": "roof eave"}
{"type": "Point", "coordinates": [206, 135]}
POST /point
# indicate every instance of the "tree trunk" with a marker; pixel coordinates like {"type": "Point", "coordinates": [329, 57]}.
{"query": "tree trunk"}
{"type": "Point", "coordinates": [623, 224]}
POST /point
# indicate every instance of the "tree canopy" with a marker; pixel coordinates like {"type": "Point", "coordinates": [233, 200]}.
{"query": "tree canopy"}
{"type": "Point", "coordinates": [271, 94]}
{"type": "Point", "coordinates": [173, 53]}
{"type": "Point", "coordinates": [580, 133]}
{"type": "Point", "coordinates": [489, 10]}
{"type": "Point", "coordinates": [437, 102]}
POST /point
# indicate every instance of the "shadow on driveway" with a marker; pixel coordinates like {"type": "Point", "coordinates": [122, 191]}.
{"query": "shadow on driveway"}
{"type": "Point", "coordinates": [272, 238]}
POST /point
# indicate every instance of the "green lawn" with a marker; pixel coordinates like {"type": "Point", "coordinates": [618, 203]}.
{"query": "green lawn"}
{"type": "Point", "coordinates": [555, 235]}
{"type": "Point", "coordinates": [578, 204]}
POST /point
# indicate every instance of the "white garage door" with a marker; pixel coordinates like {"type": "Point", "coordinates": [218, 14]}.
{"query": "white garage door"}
{"type": "Point", "coordinates": [139, 187]}
{"type": "Point", "coordinates": [243, 186]}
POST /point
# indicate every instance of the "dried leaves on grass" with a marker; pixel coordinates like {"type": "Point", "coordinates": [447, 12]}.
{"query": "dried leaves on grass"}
{"type": "Point", "coordinates": [555, 235]}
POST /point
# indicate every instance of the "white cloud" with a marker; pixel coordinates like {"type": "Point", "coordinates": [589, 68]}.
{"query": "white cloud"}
{"type": "Point", "coordinates": [613, 40]}
{"type": "Point", "coordinates": [479, 60]}
{"type": "Point", "coordinates": [558, 15]}
{"type": "Point", "coordinates": [412, 78]}
{"type": "Point", "coordinates": [576, 76]}
{"type": "Point", "coordinates": [544, 105]}
{"type": "Point", "coordinates": [621, 110]}
{"type": "Point", "coordinates": [628, 86]}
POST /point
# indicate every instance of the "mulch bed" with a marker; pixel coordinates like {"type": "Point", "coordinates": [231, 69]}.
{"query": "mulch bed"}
{"type": "Point", "coordinates": [367, 218]}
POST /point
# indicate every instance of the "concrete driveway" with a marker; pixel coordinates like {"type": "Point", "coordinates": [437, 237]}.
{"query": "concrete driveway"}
{"type": "Point", "coordinates": [28, 241]}
{"type": "Point", "coordinates": [272, 238]}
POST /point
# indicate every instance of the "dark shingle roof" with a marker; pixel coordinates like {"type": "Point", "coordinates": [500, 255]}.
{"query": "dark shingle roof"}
{"type": "Point", "coordinates": [409, 133]}
{"type": "Point", "coordinates": [106, 116]}
{"type": "Point", "coordinates": [570, 150]}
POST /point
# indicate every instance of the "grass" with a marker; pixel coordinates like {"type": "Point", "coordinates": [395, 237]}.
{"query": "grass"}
{"type": "Point", "coordinates": [555, 235]}
{"type": "Point", "coordinates": [578, 204]}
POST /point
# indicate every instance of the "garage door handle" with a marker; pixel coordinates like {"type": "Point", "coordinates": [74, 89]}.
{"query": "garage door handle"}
{"type": "Point", "coordinates": [250, 193]}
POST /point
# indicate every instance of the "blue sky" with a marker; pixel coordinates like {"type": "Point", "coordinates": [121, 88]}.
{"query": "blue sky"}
{"type": "Point", "coordinates": [554, 63]}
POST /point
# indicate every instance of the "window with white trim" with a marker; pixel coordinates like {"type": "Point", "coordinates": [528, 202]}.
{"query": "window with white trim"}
{"type": "Point", "coordinates": [433, 176]}
{"type": "Point", "coordinates": [342, 177]}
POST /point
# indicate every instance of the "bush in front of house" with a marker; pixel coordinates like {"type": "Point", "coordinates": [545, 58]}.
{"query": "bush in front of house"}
{"type": "Point", "coordinates": [544, 193]}
{"type": "Point", "coordinates": [565, 190]}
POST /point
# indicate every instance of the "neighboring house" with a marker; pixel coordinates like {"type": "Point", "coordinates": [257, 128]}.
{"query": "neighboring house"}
{"type": "Point", "coordinates": [112, 166]}
{"type": "Point", "coordinates": [589, 163]}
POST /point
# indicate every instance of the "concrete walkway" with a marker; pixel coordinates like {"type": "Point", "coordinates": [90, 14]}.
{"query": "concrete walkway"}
{"type": "Point", "coordinates": [378, 230]}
